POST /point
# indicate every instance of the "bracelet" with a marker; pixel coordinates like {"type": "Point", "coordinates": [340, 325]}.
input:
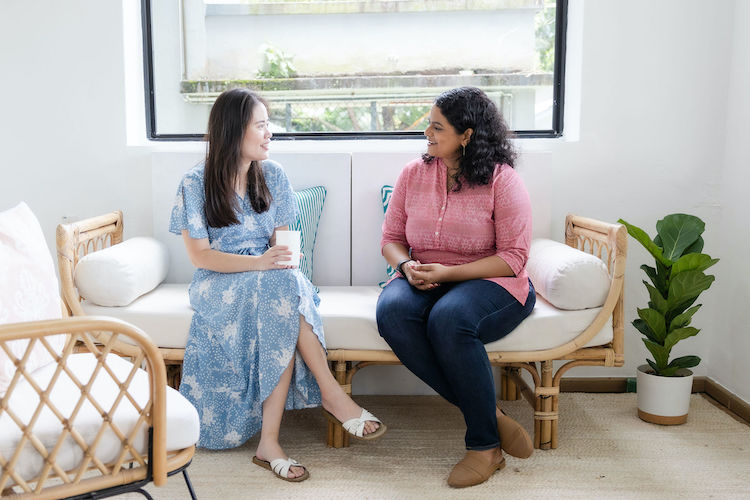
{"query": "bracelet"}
{"type": "Point", "coordinates": [400, 266]}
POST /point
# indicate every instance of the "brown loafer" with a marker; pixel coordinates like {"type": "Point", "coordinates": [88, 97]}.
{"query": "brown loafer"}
{"type": "Point", "coordinates": [472, 470]}
{"type": "Point", "coordinates": [514, 439]}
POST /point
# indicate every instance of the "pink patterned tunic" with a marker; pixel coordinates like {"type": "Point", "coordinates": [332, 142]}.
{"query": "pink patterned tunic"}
{"type": "Point", "coordinates": [461, 227]}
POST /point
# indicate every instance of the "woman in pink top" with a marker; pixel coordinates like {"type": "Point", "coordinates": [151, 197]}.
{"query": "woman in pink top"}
{"type": "Point", "coordinates": [458, 230]}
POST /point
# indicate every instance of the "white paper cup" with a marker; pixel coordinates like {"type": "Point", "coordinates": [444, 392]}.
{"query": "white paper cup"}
{"type": "Point", "coordinates": [289, 239]}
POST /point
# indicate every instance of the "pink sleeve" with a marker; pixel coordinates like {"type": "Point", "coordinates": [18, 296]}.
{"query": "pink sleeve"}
{"type": "Point", "coordinates": [512, 219]}
{"type": "Point", "coordinates": [394, 225]}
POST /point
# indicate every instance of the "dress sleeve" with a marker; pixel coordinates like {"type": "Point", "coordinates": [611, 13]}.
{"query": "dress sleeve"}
{"type": "Point", "coordinates": [512, 219]}
{"type": "Point", "coordinates": [188, 211]}
{"type": "Point", "coordinates": [394, 225]}
{"type": "Point", "coordinates": [286, 203]}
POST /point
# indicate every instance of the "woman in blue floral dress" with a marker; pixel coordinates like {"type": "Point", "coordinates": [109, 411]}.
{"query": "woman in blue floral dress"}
{"type": "Point", "coordinates": [256, 344]}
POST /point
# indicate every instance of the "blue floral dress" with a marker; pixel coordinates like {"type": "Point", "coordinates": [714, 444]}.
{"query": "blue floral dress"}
{"type": "Point", "coordinates": [245, 326]}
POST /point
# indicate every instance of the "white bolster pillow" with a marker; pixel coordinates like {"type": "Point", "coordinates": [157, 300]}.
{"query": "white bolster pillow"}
{"type": "Point", "coordinates": [567, 277]}
{"type": "Point", "coordinates": [118, 275]}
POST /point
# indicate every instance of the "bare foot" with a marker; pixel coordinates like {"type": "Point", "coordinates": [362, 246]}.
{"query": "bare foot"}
{"type": "Point", "coordinates": [272, 451]}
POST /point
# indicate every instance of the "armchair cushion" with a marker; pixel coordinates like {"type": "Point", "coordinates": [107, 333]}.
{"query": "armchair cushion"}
{"type": "Point", "coordinates": [28, 290]}
{"type": "Point", "coordinates": [182, 422]}
{"type": "Point", "coordinates": [118, 275]}
{"type": "Point", "coordinates": [567, 277]}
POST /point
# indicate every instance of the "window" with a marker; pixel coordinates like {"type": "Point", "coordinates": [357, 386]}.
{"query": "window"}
{"type": "Point", "coordinates": [352, 68]}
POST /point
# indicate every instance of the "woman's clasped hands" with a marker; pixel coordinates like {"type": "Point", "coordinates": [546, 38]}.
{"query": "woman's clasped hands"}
{"type": "Point", "coordinates": [425, 276]}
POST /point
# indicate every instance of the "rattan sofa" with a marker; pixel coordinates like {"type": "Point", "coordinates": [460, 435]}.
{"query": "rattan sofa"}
{"type": "Point", "coordinates": [351, 334]}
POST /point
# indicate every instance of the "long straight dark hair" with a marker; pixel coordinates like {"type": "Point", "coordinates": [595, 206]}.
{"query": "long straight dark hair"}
{"type": "Point", "coordinates": [230, 116]}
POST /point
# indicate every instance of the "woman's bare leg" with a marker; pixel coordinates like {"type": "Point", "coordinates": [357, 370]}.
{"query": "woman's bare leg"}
{"type": "Point", "coordinates": [273, 409]}
{"type": "Point", "coordinates": [335, 400]}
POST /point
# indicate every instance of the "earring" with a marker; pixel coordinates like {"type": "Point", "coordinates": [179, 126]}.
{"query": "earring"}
{"type": "Point", "coordinates": [463, 149]}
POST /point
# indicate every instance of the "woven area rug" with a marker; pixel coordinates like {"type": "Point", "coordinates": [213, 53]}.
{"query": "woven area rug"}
{"type": "Point", "coordinates": [604, 451]}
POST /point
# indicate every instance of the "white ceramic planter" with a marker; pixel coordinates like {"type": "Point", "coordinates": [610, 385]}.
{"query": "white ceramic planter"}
{"type": "Point", "coordinates": [663, 400]}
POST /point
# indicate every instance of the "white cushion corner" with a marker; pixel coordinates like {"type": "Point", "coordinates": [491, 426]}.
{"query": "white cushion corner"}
{"type": "Point", "coordinates": [29, 289]}
{"type": "Point", "coordinates": [118, 275]}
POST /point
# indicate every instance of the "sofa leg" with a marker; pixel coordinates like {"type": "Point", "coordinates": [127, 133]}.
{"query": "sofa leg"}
{"type": "Point", "coordinates": [509, 391]}
{"type": "Point", "coordinates": [545, 414]}
{"type": "Point", "coordinates": [174, 374]}
{"type": "Point", "coordinates": [337, 436]}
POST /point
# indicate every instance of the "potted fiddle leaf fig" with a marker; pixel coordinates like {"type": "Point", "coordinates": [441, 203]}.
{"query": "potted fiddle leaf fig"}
{"type": "Point", "coordinates": [676, 280]}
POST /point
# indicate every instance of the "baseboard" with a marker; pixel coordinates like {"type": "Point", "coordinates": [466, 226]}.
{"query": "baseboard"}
{"type": "Point", "coordinates": [725, 398]}
{"type": "Point", "coordinates": [612, 384]}
{"type": "Point", "coordinates": [728, 400]}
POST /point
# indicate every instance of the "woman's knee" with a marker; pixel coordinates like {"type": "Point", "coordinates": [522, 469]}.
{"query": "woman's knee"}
{"type": "Point", "coordinates": [448, 326]}
{"type": "Point", "coordinates": [393, 308]}
{"type": "Point", "coordinates": [391, 302]}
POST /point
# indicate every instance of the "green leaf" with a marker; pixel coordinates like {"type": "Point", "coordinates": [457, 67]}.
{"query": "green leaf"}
{"type": "Point", "coordinates": [653, 365]}
{"type": "Point", "coordinates": [680, 308]}
{"type": "Point", "coordinates": [643, 238]}
{"type": "Point", "coordinates": [677, 335]}
{"type": "Point", "coordinates": [686, 286]}
{"type": "Point", "coordinates": [684, 318]}
{"type": "Point", "coordinates": [669, 371]}
{"type": "Point", "coordinates": [658, 301]}
{"type": "Point", "coordinates": [655, 321]}
{"type": "Point", "coordinates": [678, 232]}
{"type": "Point", "coordinates": [657, 279]}
{"type": "Point", "coordinates": [661, 355]}
{"type": "Point", "coordinates": [692, 262]}
{"type": "Point", "coordinates": [696, 247]}
{"type": "Point", "coordinates": [685, 362]}
{"type": "Point", "coordinates": [642, 327]}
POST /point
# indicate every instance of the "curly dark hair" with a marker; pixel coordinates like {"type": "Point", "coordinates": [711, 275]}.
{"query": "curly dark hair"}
{"type": "Point", "coordinates": [470, 108]}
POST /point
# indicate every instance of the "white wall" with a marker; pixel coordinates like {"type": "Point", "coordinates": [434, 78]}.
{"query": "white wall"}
{"type": "Point", "coordinates": [730, 339]}
{"type": "Point", "coordinates": [656, 136]}
{"type": "Point", "coordinates": [62, 114]}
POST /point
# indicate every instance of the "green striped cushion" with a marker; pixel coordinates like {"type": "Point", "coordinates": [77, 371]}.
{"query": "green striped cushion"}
{"type": "Point", "coordinates": [309, 207]}
{"type": "Point", "coordinates": [385, 197]}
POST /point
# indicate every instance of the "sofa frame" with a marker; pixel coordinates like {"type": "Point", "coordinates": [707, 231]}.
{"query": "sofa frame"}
{"type": "Point", "coordinates": [606, 241]}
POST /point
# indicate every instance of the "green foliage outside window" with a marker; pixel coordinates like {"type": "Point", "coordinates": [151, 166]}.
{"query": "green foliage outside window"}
{"type": "Point", "coordinates": [276, 63]}
{"type": "Point", "coordinates": [545, 36]}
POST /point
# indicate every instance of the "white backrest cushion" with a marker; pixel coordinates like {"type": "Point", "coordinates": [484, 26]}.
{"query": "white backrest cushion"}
{"type": "Point", "coordinates": [28, 287]}
{"type": "Point", "coordinates": [118, 275]}
{"type": "Point", "coordinates": [567, 277]}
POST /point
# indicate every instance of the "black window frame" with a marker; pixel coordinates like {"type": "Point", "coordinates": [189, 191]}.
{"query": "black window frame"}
{"type": "Point", "coordinates": [558, 93]}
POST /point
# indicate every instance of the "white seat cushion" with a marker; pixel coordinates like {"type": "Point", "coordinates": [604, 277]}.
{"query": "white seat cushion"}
{"type": "Point", "coordinates": [349, 320]}
{"type": "Point", "coordinates": [548, 327]}
{"type": "Point", "coordinates": [182, 427]}
{"type": "Point", "coordinates": [164, 314]}
{"type": "Point", "coordinates": [349, 323]}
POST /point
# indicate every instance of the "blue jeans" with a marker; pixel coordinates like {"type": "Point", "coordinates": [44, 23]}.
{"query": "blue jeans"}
{"type": "Point", "coordinates": [440, 334]}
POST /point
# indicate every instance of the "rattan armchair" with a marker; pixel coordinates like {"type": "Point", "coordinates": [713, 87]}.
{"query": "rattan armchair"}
{"type": "Point", "coordinates": [91, 423]}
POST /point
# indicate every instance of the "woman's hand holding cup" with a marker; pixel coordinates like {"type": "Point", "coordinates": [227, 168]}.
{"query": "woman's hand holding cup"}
{"type": "Point", "coordinates": [276, 257]}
